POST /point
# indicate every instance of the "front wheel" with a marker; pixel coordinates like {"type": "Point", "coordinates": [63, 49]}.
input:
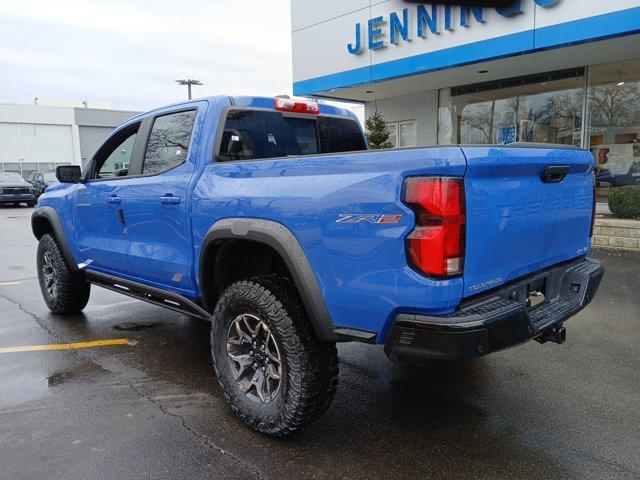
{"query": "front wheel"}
{"type": "Point", "coordinates": [273, 370]}
{"type": "Point", "coordinates": [64, 291]}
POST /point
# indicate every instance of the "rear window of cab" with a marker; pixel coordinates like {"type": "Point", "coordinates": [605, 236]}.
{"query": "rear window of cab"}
{"type": "Point", "coordinates": [260, 134]}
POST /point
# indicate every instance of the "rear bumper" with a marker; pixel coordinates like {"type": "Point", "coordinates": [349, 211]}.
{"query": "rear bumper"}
{"type": "Point", "coordinates": [497, 320]}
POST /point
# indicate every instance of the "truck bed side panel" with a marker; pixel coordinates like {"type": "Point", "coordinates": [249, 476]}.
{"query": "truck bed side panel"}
{"type": "Point", "coordinates": [361, 268]}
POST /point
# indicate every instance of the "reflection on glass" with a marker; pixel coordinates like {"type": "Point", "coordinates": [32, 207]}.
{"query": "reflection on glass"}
{"type": "Point", "coordinates": [614, 133]}
{"type": "Point", "coordinates": [302, 138]}
{"type": "Point", "coordinates": [393, 134]}
{"type": "Point", "coordinates": [168, 144]}
{"type": "Point", "coordinates": [541, 108]}
{"type": "Point", "coordinates": [407, 134]}
{"type": "Point", "coordinates": [118, 160]}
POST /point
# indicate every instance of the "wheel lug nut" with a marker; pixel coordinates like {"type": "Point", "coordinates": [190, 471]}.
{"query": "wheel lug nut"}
{"type": "Point", "coordinates": [251, 353]}
{"type": "Point", "coordinates": [255, 366]}
{"type": "Point", "coordinates": [264, 369]}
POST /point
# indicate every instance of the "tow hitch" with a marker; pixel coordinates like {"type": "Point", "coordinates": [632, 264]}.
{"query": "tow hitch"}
{"type": "Point", "coordinates": [557, 334]}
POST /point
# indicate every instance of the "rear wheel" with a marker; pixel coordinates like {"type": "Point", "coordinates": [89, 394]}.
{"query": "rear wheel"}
{"type": "Point", "coordinates": [64, 291]}
{"type": "Point", "coordinates": [274, 372]}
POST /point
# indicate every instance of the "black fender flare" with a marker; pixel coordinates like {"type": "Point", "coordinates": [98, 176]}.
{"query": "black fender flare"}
{"type": "Point", "coordinates": [49, 214]}
{"type": "Point", "coordinates": [282, 240]}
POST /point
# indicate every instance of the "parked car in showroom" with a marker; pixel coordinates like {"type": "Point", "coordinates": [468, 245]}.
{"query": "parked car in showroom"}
{"type": "Point", "coordinates": [41, 180]}
{"type": "Point", "coordinates": [16, 190]}
{"type": "Point", "coordinates": [632, 177]}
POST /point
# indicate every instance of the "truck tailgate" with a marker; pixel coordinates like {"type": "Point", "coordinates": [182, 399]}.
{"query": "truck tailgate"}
{"type": "Point", "coordinates": [519, 220]}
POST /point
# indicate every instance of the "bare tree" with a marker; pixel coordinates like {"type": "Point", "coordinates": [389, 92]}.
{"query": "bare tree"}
{"type": "Point", "coordinates": [169, 140]}
{"type": "Point", "coordinates": [479, 118]}
{"type": "Point", "coordinates": [614, 104]}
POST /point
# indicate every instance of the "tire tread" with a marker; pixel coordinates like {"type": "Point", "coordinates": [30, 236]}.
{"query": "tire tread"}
{"type": "Point", "coordinates": [73, 290]}
{"type": "Point", "coordinates": [312, 363]}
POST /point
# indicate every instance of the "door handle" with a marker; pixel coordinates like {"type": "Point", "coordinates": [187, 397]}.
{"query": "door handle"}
{"type": "Point", "coordinates": [555, 173]}
{"type": "Point", "coordinates": [114, 199]}
{"type": "Point", "coordinates": [169, 199]}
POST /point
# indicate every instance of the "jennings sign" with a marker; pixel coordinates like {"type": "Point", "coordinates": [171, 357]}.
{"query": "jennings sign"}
{"type": "Point", "coordinates": [429, 19]}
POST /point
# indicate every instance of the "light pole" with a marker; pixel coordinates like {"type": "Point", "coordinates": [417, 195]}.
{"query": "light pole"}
{"type": "Point", "coordinates": [188, 82]}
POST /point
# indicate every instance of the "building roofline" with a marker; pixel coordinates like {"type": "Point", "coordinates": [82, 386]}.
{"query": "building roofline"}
{"type": "Point", "coordinates": [575, 32]}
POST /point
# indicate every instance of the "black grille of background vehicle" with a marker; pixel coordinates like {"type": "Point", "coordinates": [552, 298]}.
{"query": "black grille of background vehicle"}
{"type": "Point", "coordinates": [15, 191]}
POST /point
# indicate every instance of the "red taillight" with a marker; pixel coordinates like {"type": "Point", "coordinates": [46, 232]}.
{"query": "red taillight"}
{"type": "Point", "coordinates": [436, 245]}
{"type": "Point", "coordinates": [297, 106]}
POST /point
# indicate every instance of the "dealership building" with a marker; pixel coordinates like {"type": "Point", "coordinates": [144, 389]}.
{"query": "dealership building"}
{"type": "Point", "coordinates": [41, 137]}
{"type": "Point", "coordinates": [547, 71]}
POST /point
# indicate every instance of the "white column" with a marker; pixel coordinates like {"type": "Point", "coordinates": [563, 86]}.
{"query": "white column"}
{"type": "Point", "coordinates": [77, 154]}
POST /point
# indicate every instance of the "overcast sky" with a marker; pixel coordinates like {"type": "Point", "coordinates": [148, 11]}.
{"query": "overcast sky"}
{"type": "Point", "coordinates": [130, 52]}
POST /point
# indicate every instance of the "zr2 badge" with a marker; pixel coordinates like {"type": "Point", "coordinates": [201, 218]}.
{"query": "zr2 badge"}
{"type": "Point", "coordinates": [369, 218]}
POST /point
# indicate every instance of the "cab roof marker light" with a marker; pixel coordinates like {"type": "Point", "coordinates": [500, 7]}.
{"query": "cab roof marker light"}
{"type": "Point", "coordinates": [297, 106]}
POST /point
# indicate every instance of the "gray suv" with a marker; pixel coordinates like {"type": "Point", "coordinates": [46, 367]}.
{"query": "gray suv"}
{"type": "Point", "coordinates": [16, 190]}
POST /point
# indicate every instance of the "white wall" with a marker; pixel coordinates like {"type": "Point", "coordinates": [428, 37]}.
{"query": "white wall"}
{"type": "Point", "coordinates": [36, 143]}
{"type": "Point", "coordinates": [321, 32]}
{"type": "Point", "coordinates": [46, 134]}
{"type": "Point", "coordinates": [13, 113]}
{"type": "Point", "coordinates": [422, 107]}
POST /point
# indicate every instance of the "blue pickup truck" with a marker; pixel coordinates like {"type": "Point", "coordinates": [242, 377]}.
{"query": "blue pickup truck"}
{"type": "Point", "coordinates": [269, 218]}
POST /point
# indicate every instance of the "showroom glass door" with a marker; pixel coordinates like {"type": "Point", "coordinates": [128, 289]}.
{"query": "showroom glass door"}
{"type": "Point", "coordinates": [614, 130]}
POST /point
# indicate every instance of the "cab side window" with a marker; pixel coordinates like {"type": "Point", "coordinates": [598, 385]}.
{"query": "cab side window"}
{"type": "Point", "coordinates": [113, 160]}
{"type": "Point", "coordinates": [168, 144]}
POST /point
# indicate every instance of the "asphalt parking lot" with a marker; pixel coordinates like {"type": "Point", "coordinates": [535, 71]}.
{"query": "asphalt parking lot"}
{"type": "Point", "coordinates": [151, 408]}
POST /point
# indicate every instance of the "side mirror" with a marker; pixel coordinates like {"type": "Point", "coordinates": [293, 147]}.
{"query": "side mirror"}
{"type": "Point", "coordinates": [68, 173]}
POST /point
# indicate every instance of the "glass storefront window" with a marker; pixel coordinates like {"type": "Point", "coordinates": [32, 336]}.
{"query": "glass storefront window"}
{"type": "Point", "coordinates": [47, 167]}
{"type": "Point", "coordinates": [393, 134]}
{"type": "Point", "coordinates": [27, 168]}
{"type": "Point", "coordinates": [544, 108]}
{"type": "Point", "coordinates": [11, 167]}
{"type": "Point", "coordinates": [614, 131]}
{"type": "Point", "coordinates": [403, 134]}
{"type": "Point", "coordinates": [407, 135]}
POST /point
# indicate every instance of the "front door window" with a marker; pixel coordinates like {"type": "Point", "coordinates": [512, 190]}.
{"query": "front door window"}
{"type": "Point", "coordinates": [113, 160]}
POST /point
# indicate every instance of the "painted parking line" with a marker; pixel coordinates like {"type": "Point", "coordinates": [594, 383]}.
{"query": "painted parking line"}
{"type": "Point", "coordinates": [4, 284]}
{"type": "Point", "coordinates": [69, 346]}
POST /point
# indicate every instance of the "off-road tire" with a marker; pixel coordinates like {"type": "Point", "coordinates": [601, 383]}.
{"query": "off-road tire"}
{"type": "Point", "coordinates": [72, 290]}
{"type": "Point", "coordinates": [310, 366]}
